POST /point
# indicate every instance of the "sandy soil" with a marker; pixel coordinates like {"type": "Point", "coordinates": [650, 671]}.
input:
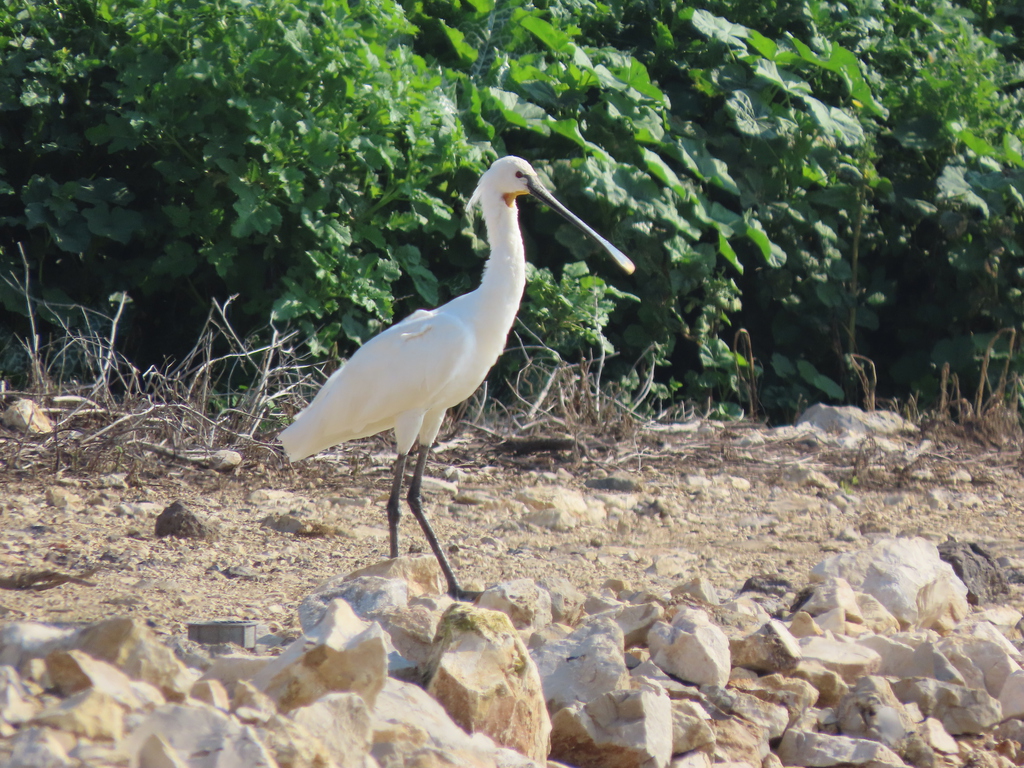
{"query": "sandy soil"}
{"type": "Point", "coordinates": [724, 501]}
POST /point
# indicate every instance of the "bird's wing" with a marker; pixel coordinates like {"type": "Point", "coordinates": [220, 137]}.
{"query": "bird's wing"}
{"type": "Point", "coordinates": [405, 368]}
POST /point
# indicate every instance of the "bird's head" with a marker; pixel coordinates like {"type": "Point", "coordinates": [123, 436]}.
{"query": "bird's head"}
{"type": "Point", "coordinates": [509, 177]}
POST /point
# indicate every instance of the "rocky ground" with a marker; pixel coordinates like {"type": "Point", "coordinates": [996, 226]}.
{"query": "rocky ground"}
{"type": "Point", "coordinates": [662, 513]}
{"type": "Point", "coordinates": [722, 501]}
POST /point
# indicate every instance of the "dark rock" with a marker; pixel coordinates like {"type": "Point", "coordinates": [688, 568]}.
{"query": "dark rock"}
{"type": "Point", "coordinates": [767, 585]}
{"type": "Point", "coordinates": [617, 482]}
{"type": "Point", "coordinates": [977, 569]}
{"type": "Point", "coordinates": [243, 572]}
{"type": "Point", "coordinates": [178, 521]}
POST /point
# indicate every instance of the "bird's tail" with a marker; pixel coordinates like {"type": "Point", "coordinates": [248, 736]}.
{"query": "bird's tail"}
{"type": "Point", "coordinates": [301, 438]}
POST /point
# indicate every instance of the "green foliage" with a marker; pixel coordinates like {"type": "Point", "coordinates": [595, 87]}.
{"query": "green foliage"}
{"type": "Point", "coordinates": [300, 156]}
{"type": "Point", "coordinates": [836, 178]}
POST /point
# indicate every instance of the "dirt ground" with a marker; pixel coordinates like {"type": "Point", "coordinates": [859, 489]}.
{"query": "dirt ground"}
{"type": "Point", "coordinates": [724, 501]}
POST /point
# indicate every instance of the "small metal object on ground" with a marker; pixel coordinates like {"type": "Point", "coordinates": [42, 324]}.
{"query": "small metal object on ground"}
{"type": "Point", "coordinates": [242, 633]}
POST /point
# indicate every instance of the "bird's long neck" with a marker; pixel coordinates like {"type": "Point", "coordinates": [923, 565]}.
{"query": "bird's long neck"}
{"type": "Point", "coordinates": [501, 288]}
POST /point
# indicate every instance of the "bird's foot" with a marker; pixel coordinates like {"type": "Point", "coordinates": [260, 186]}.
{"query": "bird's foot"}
{"type": "Point", "coordinates": [463, 595]}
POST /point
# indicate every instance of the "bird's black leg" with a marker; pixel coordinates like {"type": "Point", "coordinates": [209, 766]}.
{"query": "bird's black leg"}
{"type": "Point", "coordinates": [416, 505]}
{"type": "Point", "coordinates": [394, 502]}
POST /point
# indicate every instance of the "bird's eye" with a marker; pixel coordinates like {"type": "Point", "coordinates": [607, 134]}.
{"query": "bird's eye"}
{"type": "Point", "coordinates": [519, 174]}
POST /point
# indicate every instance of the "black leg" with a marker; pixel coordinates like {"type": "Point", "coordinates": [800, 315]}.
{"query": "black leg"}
{"type": "Point", "coordinates": [416, 506]}
{"type": "Point", "coordinates": [394, 502]}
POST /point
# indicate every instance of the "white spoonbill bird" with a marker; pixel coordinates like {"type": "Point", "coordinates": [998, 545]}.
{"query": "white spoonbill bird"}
{"type": "Point", "coordinates": [408, 376]}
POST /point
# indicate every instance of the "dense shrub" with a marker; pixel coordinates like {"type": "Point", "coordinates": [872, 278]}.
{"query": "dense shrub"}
{"type": "Point", "coordinates": [836, 178]}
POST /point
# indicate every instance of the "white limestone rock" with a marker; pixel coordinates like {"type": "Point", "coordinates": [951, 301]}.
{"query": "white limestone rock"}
{"type": "Point", "coordinates": [871, 711]}
{"type": "Point", "coordinates": [820, 750]}
{"type": "Point", "coordinates": [21, 641]}
{"type": "Point", "coordinates": [586, 664]}
{"type": "Point", "coordinates": [1011, 695]}
{"type": "Point", "coordinates": [849, 661]}
{"type": "Point", "coordinates": [691, 648]}
{"type": "Point", "coordinates": [690, 727]}
{"type": "Point", "coordinates": [525, 602]}
{"type": "Point", "coordinates": [341, 653]}
{"type": "Point", "coordinates": [131, 646]}
{"type": "Point", "coordinates": [908, 577]}
{"type": "Point", "coordinates": [341, 721]}
{"type": "Point", "coordinates": [202, 735]}
{"type": "Point", "coordinates": [772, 648]}
{"type": "Point", "coordinates": [410, 728]}
{"type": "Point", "coordinates": [960, 710]}
{"type": "Point", "coordinates": [853, 420]}
{"type": "Point", "coordinates": [619, 729]}
{"type": "Point", "coordinates": [483, 676]}
{"type": "Point", "coordinates": [369, 597]}
{"type": "Point", "coordinates": [795, 695]}
{"type": "Point", "coordinates": [831, 593]}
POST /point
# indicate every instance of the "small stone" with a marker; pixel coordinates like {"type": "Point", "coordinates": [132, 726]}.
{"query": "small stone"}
{"type": "Point", "coordinates": [617, 482]}
{"type": "Point", "coordinates": [770, 649]}
{"type": "Point", "coordinates": [224, 461]}
{"type": "Point", "coordinates": [178, 521]}
{"type": "Point", "coordinates": [699, 587]}
{"type": "Point", "coordinates": [976, 567]}
{"type": "Point", "coordinates": [26, 416]}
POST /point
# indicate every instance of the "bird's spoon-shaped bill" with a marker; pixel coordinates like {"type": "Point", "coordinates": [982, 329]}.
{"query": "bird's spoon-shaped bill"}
{"type": "Point", "coordinates": [541, 193]}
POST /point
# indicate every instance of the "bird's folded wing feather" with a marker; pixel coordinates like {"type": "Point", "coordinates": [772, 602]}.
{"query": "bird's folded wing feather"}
{"type": "Point", "coordinates": [407, 367]}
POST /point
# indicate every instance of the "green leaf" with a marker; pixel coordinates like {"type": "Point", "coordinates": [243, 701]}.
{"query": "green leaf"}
{"type": "Point", "coordinates": [811, 375]}
{"type": "Point", "coordinates": [763, 45]}
{"type": "Point", "coordinates": [920, 132]}
{"type": "Point", "coordinates": [547, 34]}
{"type": "Point", "coordinates": [953, 184]}
{"type": "Point", "coordinates": [115, 222]}
{"type": "Point", "coordinates": [835, 122]}
{"type": "Point", "coordinates": [733, 35]}
{"type": "Point", "coordinates": [727, 251]}
{"type": "Point", "coordinates": [783, 366]}
{"type": "Point", "coordinates": [467, 54]}
{"type": "Point", "coordinates": [752, 116]}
